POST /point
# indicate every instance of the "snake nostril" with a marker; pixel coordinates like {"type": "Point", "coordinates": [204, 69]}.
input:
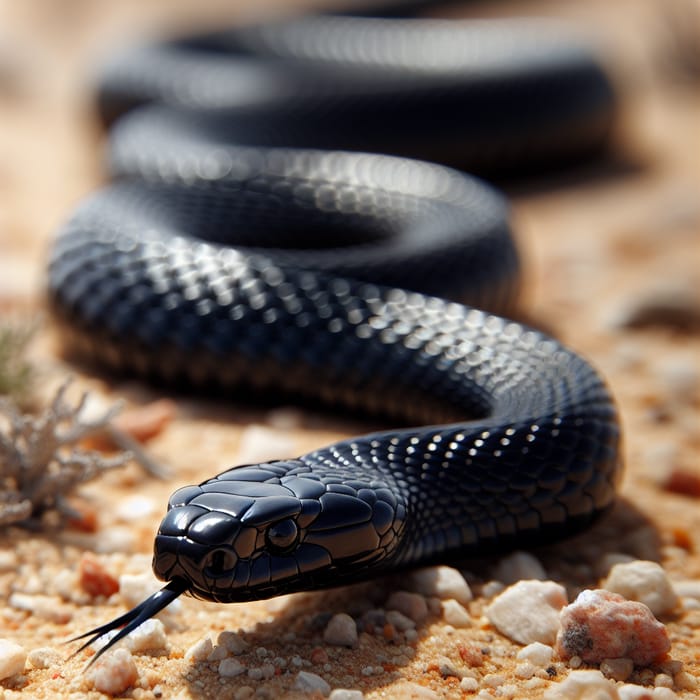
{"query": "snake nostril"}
{"type": "Point", "coordinates": [219, 563]}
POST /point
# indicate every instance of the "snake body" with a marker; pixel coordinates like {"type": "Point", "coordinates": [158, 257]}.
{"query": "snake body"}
{"type": "Point", "coordinates": [220, 260]}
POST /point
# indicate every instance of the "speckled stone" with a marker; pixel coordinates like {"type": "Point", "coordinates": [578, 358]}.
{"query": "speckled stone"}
{"type": "Point", "coordinates": [601, 625]}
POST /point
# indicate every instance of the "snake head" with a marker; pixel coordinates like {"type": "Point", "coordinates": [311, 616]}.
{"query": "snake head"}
{"type": "Point", "coordinates": [257, 531]}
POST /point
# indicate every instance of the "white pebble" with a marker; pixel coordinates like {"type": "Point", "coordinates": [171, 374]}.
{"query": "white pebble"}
{"type": "Point", "coordinates": [442, 582]}
{"type": "Point", "coordinates": [134, 508]}
{"type": "Point", "coordinates": [311, 683]}
{"type": "Point", "coordinates": [8, 561]}
{"type": "Point", "coordinates": [454, 614]}
{"type": "Point", "coordinates": [133, 588]}
{"type": "Point", "coordinates": [468, 684]}
{"type": "Point", "coordinates": [228, 668]}
{"type": "Point", "coordinates": [262, 444]}
{"type": "Point", "coordinates": [528, 611]}
{"type": "Point", "coordinates": [583, 685]}
{"type": "Point", "coordinates": [341, 631]}
{"type": "Point", "coordinates": [42, 606]}
{"type": "Point", "coordinates": [525, 670]}
{"type": "Point", "coordinates": [406, 690]}
{"type": "Point", "coordinates": [400, 621]}
{"type": "Point", "coordinates": [116, 539]}
{"type": "Point", "coordinates": [410, 604]}
{"type": "Point", "coordinates": [218, 653]}
{"type": "Point", "coordinates": [114, 672]}
{"type": "Point", "coordinates": [44, 657]}
{"type": "Point", "coordinates": [519, 566]}
{"type": "Point", "coordinates": [12, 658]}
{"type": "Point", "coordinates": [687, 589]}
{"type": "Point", "coordinates": [645, 582]}
{"type": "Point", "coordinates": [200, 650]}
{"type": "Point", "coordinates": [537, 653]}
{"type": "Point", "coordinates": [148, 636]}
{"type": "Point", "coordinates": [343, 694]}
{"type": "Point", "coordinates": [233, 642]}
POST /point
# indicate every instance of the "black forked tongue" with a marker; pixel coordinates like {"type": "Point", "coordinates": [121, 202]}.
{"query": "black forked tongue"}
{"type": "Point", "coordinates": [131, 620]}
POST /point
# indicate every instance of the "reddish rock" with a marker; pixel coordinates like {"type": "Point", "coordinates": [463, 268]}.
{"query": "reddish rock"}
{"type": "Point", "coordinates": [603, 625]}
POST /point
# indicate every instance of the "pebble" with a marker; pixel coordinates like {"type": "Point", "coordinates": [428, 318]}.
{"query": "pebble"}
{"type": "Point", "coordinates": [406, 690]}
{"type": "Point", "coordinates": [639, 692]}
{"type": "Point", "coordinates": [117, 539]}
{"type": "Point", "coordinates": [519, 566]}
{"type": "Point", "coordinates": [262, 444]}
{"type": "Point", "coordinates": [469, 684]}
{"type": "Point", "coordinates": [537, 653]}
{"type": "Point", "coordinates": [232, 642]}
{"type": "Point", "coordinates": [602, 625]}
{"type": "Point", "coordinates": [44, 657]}
{"type": "Point", "coordinates": [441, 582]}
{"type": "Point", "coordinates": [412, 605]}
{"type": "Point", "coordinates": [200, 650]}
{"type": "Point", "coordinates": [341, 631]}
{"type": "Point", "coordinates": [617, 669]}
{"type": "Point", "coordinates": [94, 578]}
{"type": "Point", "coordinates": [148, 636]}
{"type": "Point", "coordinates": [133, 588]}
{"type": "Point", "coordinates": [311, 683]}
{"type": "Point", "coordinates": [528, 611]}
{"type": "Point", "coordinates": [343, 694]}
{"type": "Point", "coordinates": [400, 621]}
{"type": "Point", "coordinates": [454, 614]}
{"type": "Point", "coordinates": [583, 685]}
{"type": "Point", "coordinates": [645, 582]}
{"type": "Point", "coordinates": [135, 508]}
{"type": "Point", "coordinates": [12, 658]}
{"type": "Point", "coordinates": [42, 606]}
{"type": "Point", "coordinates": [113, 673]}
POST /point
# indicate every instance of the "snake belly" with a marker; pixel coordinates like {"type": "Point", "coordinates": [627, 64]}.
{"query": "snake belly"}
{"type": "Point", "coordinates": [220, 260]}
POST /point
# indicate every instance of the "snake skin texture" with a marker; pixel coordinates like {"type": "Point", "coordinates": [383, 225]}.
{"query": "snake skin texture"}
{"type": "Point", "coordinates": [287, 271]}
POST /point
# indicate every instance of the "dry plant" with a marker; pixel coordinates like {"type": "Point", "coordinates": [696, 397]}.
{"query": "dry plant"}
{"type": "Point", "coordinates": [40, 459]}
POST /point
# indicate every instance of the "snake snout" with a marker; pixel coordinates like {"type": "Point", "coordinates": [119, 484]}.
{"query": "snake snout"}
{"type": "Point", "coordinates": [219, 563]}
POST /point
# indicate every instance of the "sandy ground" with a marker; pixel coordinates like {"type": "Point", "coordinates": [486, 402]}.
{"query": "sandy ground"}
{"type": "Point", "coordinates": [605, 243]}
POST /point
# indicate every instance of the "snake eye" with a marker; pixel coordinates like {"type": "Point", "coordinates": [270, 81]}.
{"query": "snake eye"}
{"type": "Point", "coordinates": [282, 536]}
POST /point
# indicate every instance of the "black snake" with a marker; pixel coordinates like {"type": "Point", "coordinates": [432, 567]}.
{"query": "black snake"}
{"type": "Point", "coordinates": [221, 260]}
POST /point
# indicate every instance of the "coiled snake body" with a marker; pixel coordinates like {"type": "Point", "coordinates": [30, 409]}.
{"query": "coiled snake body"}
{"type": "Point", "coordinates": [232, 265]}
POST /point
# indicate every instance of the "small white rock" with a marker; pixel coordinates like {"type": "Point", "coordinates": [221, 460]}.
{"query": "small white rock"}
{"type": "Point", "coordinates": [468, 684]}
{"type": "Point", "coordinates": [44, 657]}
{"type": "Point", "coordinates": [341, 631]}
{"type": "Point", "coordinates": [400, 621]}
{"type": "Point", "coordinates": [528, 611]}
{"type": "Point", "coordinates": [519, 566]}
{"type": "Point", "coordinates": [311, 683]}
{"type": "Point", "coordinates": [148, 636]}
{"type": "Point", "coordinates": [12, 658]}
{"type": "Point", "coordinates": [134, 508]}
{"type": "Point", "coordinates": [262, 444]}
{"type": "Point", "coordinates": [406, 690]}
{"type": "Point", "coordinates": [114, 672]}
{"type": "Point", "coordinates": [537, 653]}
{"type": "Point", "coordinates": [645, 582]}
{"type": "Point", "coordinates": [133, 588]}
{"type": "Point", "coordinates": [583, 685]}
{"type": "Point", "coordinates": [410, 604]}
{"type": "Point", "coordinates": [442, 582]}
{"type": "Point", "coordinates": [199, 651]}
{"type": "Point", "coordinates": [233, 642]}
{"type": "Point", "coordinates": [454, 614]}
{"type": "Point", "coordinates": [343, 694]}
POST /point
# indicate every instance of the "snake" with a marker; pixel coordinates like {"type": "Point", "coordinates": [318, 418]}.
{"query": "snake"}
{"type": "Point", "coordinates": [272, 230]}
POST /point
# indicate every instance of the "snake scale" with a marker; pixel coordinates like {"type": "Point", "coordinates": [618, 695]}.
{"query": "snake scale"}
{"type": "Point", "coordinates": [246, 243]}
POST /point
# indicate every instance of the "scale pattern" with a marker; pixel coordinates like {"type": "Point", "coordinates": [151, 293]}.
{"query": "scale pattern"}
{"type": "Point", "coordinates": [285, 271]}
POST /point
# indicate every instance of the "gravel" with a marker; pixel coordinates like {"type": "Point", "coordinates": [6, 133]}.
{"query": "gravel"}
{"type": "Point", "coordinates": [113, 673]}
{"type": "Point", "coordinates": [455, 614]}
